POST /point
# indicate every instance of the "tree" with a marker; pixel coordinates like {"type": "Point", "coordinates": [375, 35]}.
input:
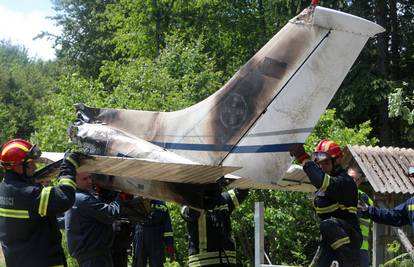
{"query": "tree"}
{"type": "Point", "coordinates": [24, 83]}
{"type": "Point", "coordinates": [85, 41]}
{"type": "Point", "coordinates": [371, 89]}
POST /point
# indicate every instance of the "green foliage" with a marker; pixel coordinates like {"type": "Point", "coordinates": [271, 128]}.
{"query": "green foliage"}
{"type": "Point", "coordinates": [85, 39]}
{"type": "Point", "coordinates": [24, 84]}
{"type": "Point", "coordinates": [401, 103]}
{"type": "Point", "coordinates": [179, 77]}
{"type": "Point", "coordinates": [403, 260]}
{"type": "Point", "coordinates": [51, 127]}
{"type": "Point", "coordinates": [335, 129]}
{"type": "Point", "coordinates": [291, 232]}
{"type": "Point", "coordinates": [180, 236]}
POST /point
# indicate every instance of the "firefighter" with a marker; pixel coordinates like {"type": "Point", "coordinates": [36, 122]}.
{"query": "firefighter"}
{"type": "Point", "coordinates": [335, 202]}
{"type": "Point", "coordinates": [364, 223]}
{"type": "Point", "coordinates": [209, 230]}
{"type": "Point", "coordinates": [29, 232]}
{"type": "Point", "coordinates": [89, 226]}
{"type": "Point", "coordinates": [400, 215]}
{"type": "Point", "coordinates": [153, 237]}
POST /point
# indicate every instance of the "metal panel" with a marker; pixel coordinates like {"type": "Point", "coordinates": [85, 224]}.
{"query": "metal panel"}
{"type": "Point", "coordinates": [385, 167]}
{"type": "Point", "coordinates": [158, 171]}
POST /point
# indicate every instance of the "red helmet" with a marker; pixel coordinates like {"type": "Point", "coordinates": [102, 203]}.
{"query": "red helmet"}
{"type": "Point", "coordinates": [16, 152]}
{"type": "Point", "coordinates": [329, 147]}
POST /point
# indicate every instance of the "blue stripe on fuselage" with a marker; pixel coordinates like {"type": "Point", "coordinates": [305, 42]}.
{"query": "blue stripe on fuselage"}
{"type": "Point", "coordinates": [226, 148]}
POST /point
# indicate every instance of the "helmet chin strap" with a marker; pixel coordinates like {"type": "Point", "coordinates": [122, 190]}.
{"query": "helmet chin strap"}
{"type": "Point", "coordinates": [24, 164]}
{"type": "Point", "coordinates": [335, 167]}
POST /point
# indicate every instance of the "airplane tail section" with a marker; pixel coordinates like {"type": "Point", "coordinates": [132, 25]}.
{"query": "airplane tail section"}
{"type": "Point", "coordinates": [273, 101]}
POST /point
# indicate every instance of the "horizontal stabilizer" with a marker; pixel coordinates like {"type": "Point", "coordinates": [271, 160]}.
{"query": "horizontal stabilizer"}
{"type": "Point", "coordinates": [152, 170]}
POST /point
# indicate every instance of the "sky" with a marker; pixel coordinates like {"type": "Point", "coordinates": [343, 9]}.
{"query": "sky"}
{"type": "Point", "coordinates": [22, 20]}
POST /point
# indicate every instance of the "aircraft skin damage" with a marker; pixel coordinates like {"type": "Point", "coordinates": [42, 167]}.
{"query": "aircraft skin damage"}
{"type": "Point", "coordinates": [272, 102]}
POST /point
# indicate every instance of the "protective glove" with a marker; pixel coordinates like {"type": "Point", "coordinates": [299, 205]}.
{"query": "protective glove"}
{"type": "Point", "coordinates": [74, 158]}
{"type": "Point", "coordinates": [298, 151]}
{"type": "Point", "coordinates": [362, 206]}
{"type": "Point", "coordinates": [170, 252]}
{"type": "Point", "coordinates": [70, 162]}
{"type": "Point", "coordinates": [125, 196]}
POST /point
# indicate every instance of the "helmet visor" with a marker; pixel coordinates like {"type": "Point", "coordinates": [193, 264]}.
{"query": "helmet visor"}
{"type": "Point", "coordinates": [33, 154]}
{"type": "Point", "coordinates": [320, 156]}
{"type": "Point", "coordinates": [411, 171]}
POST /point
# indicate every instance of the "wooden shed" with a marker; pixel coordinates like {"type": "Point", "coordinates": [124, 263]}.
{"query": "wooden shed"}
{"type": "Point", "coordinates": [387, 183]}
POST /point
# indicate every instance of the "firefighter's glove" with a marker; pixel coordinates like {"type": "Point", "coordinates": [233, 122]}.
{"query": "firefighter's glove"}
{"type": "Point", "coordinates": [125, 196]}
{"type": "Point", "coordinates": [74, 158]}
{"type": "Point", "coordinates": [70, 162]}
{"type": "Point", "coordinates": [362, 206]}
{"type": "Point", "coordinates": [298, 151]}
{"type": "Point", "coordinates": [170, 252]}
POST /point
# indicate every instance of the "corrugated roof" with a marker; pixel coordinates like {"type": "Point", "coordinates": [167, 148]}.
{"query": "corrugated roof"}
{"type": "Point", "coordinates": [384, 167]}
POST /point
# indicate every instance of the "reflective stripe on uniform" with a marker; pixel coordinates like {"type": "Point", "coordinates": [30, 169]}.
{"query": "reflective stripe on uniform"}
{"type": "Point", "coordinates": [222, 207]}
{"type": "Point", "coordinates": [340, 242]}
{"type": "Point", "coordinates": [168, 234]}
{"type": "Point", "coordinates": [202, 232]}
{"type": "Point", "coordinates": [234, 198]}
{"type": "Point", "coordinates": [215, 257]}
{"type": "Point", "coordinates": [68, 182]}
{"type": "Point", "coordinates": [12, 213]}
{"type": "Point", "coordinates": [159, 207]}
{"type": "Point", "coordinates": [364, 225]}
{"type": "Point", "coordinates": [44, 200]}
{"type": "Point", "coordinates": [325, 183]}
{"type": "Point", "coordinates": [411, 207]}
{"type": "Point", "coordinates": [333, 207]}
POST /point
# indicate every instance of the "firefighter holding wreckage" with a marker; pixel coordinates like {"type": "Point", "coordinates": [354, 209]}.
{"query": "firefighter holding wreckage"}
{"type": "Point", "coordinates": [210, 239]}
{"type": "Point", "coordinates": [29, 232]}
{"type": "Point", "coordinates": [335, 203]}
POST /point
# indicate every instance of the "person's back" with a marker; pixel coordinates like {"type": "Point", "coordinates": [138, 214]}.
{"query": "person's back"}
{"type": "Point", "coordinates": [152, 236]}
{"type": "Point", "coordinates": [89, 226]}
{"type": "Point", "coordinates": [209, 230]}
{"type": "Point", "coordinates": [29, 232]}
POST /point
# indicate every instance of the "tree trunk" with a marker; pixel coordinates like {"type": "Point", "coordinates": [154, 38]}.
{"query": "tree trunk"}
{"type": "Point", "coordinates": [157, 15]}
{"type": "Point", "coordinates": [382, 62]}
{"type": "Point", "coordinates": [262, 17]}
{"type": "Point", "coordinates": [395, 72]}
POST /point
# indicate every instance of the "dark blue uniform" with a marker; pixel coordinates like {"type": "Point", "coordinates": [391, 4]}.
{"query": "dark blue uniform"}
{"type": "Point", "coordinates": [336, 205]}
{"type": "Point", "coordinates": [400, 215]}
{"type": "Point", "coordinates": [29, 233]}
{"type": "Point", "coordinates": [89, 229]}
{"type": "Point", "coordinates": [150, 237]}
{"type": "Point", "coordinates": [210, 239]}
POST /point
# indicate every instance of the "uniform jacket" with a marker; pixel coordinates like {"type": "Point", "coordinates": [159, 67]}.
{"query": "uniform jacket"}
{"type": "Point", "coordinates": [402, 214]}
{"type": "Point", "coordinates": [364, 223]}
{"type": "Point", "coordinates": [89, 225]}
{"type": "Point", "coordinates": [29, 232]}
{"type": "Point", "coordinates": [210, 238]}
{"type": "Point", "coordinates": [159, 224]}
{"type": "Point", "coordinates": [337, 195]}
